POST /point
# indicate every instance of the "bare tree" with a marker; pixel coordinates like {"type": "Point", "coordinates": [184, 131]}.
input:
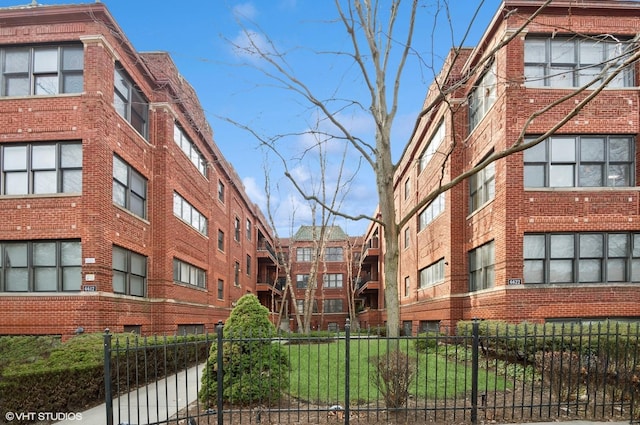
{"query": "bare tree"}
{"type": "Point", "coordinates": [381, 56]}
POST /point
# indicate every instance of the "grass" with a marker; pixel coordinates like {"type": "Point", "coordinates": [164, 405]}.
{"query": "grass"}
{"type": "Point", "coordinates": [317, 372]}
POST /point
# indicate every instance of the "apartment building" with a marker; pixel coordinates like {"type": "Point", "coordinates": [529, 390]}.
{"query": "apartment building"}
{"type": "Point", "coordinates": [118, 209]}
{"type": "Point", "coordinates": [328, 263]}
{"type": "Point", "coordinates": [550, 233]}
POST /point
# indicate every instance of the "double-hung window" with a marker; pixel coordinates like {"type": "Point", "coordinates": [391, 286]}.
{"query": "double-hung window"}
{"type": "Point", "coordinates": [42, 70]}
{"type": "Point", "coordinates": [304, 254]}
{"type": "Point", "coordinates": [589, 257]}
{"type": "Point", "coordinates": [40, 266]}
{"type": "Point", "coordinates": [190, 150]}
{"type": "Point", "coordinates": [431, 149]}
{"type": "Point", "coordinates": [432, 274]}
{"type": "Point", "coordinates": [483, 97]}
{"type": "Point", "coordinates": [333, 253]}
{"type": "Point", "coordinates": [332, 306]}
{"type": "Point", "coordinates": [129, 188]}
{"type": "Point", "coordinates": [41, 168]}
{"type": "Point", "coordinates": [129, 272]}
{"type": "Point", "coordinates": [580, 161]}
{"type": "Point", "coordinates": [482, 187]}
{"type": "Point", "coordinates": [302, 280]}
{"type": "Point", "coordinates": [130, 102]}
{"type": "Point", "coordinates": [332, 280]}
{"type": "Point", "coordinates": [565, 62]}
{"type": "Point", "coordinates": [431, 212]}
{"type": "Point", "coordinates": [189, 214]}
{"type": "Point", "coordinates": [188, 274]}
{"type": "Point", "coordinates": [481, 267]}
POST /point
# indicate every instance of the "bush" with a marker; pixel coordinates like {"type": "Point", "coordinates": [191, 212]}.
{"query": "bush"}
{"type": "Point", "coordinates": [392, 375]}
{"type": "Point", "coordinates": [255, 368]}
{"type": "Point", "coordinates": [427, 342]}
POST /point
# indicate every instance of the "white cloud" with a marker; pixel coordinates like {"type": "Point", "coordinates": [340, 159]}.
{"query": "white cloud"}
{"type": "Point", "coordinates": [245, 11]}
{"type": "Point", "coordinates": [250, 45]}
{"type": "Point", "coordinates": [255, 192]}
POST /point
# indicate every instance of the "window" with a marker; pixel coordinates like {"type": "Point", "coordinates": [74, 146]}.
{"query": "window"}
{"type": "Point", "coordinates": [236, 273]}
{"type": "Point", "coordinates": [39, 168]}
{"type": "Point", "coordinates": [302, 280]}
{"type": "Point", "coordinates": [432, 148]}
{"type": "Point", "coordinates": [407, 188]}
{"type": "Point", "coordinates": [332, 306]}
{"type": "Point", "coordinates": [197, 329]}
{"type": "Point", "coordinates": [220, 289]}
{"type": "Point", "coordinates": [221, 191]}
{"type": "Point", "coordinates": [482, 187]}
{"type": "Point", "coordinates": [189, 149]}
{"type": "Point", "coordinates": [407, 286]}
{"type": "Point", "coordinates": [40, 266]}
{"type": "Point", "coordinates": [429, 326]}
{"type": "Point", "coordinates": [248, 265]}
{"type": "Point", "coordinates": [431, 212]}
{"type": "Point", "coordinates": [304, 254]}
{"type": "Point", "coordinates": [333, 253]}
{"type": "Point", "coordinates": [248, 229]}
{"type": "Point", "coordinates": [300, 306]}
{"type": "Point", "coordinates": [481, 267]}
{"type": "Point", "coordinates": [332, 280]}
{"type": "Point", "coordinates": [188, 274]}
{"type": "Point", "coordinates": [129, 102]}
{"type": "Point", "coordinates": [220, 240]}
{"type": "Point", "coordinates": [580, 161]}
{"type": "Point", "coordinates": [236, 228]}
{"type": "Point", "coordinates": [129, 188]}
{"type": "Point", "coordinates": [482, 97]}
{"type": "Point", "coordinates": [132, 329]}
{"type": "Point", "coordinates": [575, 62]}
{"type": "Point", "coordinates": [42, 70]}
{"type": "Point", "coordinates": [189, 214]}
{"type": "Point", "coordinates": [129, 272]}
{"type": "Point", "coordinates": [581, 257]}
{"type": "Point", "coordinates": [432, 274]}
{"type": "Point", "coordinates": [407, 237]}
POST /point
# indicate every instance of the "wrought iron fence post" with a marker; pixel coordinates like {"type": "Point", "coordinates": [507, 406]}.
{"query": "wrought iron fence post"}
{"type": "Point", "coordinates": [107, 377]}
{"type": "Point", "coordinates": [474, 370]}
{"type": "Point", "coordinates": [219, 375]}
{"type": "Point", "coordinates": [347, 371]}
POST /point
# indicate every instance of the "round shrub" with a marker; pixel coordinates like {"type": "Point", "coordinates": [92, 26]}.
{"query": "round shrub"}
{"type": "Point", "coordinates": [255, 368]}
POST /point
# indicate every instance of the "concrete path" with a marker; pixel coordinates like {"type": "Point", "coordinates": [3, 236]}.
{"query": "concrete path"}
{"type": "Point", "coordinates": [154, 403]}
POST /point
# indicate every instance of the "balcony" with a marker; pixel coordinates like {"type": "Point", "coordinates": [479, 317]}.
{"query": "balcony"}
{"type": "Point", "coordinates": [265, 250]}
{"type": "Point", "coordinates": [373, 248]}
{"type": "Point", "coordinates": [269, 285]}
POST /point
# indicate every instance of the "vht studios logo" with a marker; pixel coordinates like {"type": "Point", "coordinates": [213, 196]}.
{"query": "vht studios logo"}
{"type": "Point", "coordinates": [42, 416]}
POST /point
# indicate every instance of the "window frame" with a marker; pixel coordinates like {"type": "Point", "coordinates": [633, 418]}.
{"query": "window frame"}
{"type": "Point", "coordinates": [220, 293]}
{"type": "Point", "coordinates": [581, 259]}
{"type": "Point", "coordinates": [431, 275]}
{"type": "Point", "coordinates": [182, 209]}
{"type": "Point", "coordinates": [181, 267]}
{"type": "Point", "coordinates": [32, 262]}
{"type": "Point", "coordinates": [533, 160]}
{"type": "Point", "coordinates": [30, 170]}
{"type": "Point", "coordinates": [189, 148]}
{"type": "Point", "coordinates": [482, 187]}
{"type": "Point", "coordinates": [483, 96]}
{"type": "Point", "coordinates": [333, 254]}
{"type": "Point", "coordinates": [304, 254]}
{"type": "Point", "coordinates": [31, 75]}
{"type": "Point", "coordinates": [332, 280]}
{"type": "Point", "coordinates": [431, 211]}
{"type": "Point", "coordinates": [302, 280]}
{"type": "Point", "coordinates": [541, 73]}
{"type": "Point", "coordinates": [129, 101]}
{"type": "Point", "coordinates": [333, 305]}
{"type": "Point", "coordinates": [127, 273]}
{"type": "Point", "coordinates": [129, 192]}
{"type": "Point", "coordinates": [482, 267]}
{"type": "Point", "coordinates": [432, 146]}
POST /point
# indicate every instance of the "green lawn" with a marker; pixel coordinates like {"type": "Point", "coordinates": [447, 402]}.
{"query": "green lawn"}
{"type": "Point", "coordinates": [317, 371]}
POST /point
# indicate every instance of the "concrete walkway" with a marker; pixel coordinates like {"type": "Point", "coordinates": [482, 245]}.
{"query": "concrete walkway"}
{"type": "Point", "coordinates": [154, 403]}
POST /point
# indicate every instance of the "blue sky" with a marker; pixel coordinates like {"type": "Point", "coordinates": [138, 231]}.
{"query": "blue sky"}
{"type": "Point", "coordinates": [197, 34]}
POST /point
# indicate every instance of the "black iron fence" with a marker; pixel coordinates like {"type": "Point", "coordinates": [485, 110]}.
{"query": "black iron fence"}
{"type": "Point", "coordinates": [486, 372]}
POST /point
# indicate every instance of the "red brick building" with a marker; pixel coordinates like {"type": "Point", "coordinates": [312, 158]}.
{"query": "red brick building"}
{"type": "Point", "coordinates": [548, 233]}
{"type": "Point", "coordinates": [333, 267]}
{"type": "Point", "coordinates": [117, 208]}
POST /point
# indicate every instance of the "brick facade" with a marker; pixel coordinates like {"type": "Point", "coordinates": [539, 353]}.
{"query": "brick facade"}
{"type": "Point", "coordinates": [93, 218]}
{"type": "Point", "coordinates": [515, 211]}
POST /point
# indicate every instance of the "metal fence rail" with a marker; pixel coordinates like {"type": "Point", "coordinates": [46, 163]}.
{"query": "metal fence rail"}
{"type": "Point", "coordinates": [535, 373]}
